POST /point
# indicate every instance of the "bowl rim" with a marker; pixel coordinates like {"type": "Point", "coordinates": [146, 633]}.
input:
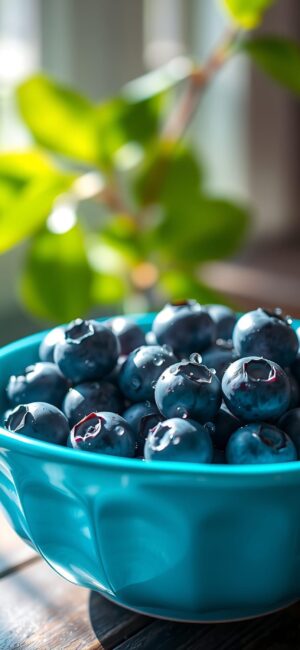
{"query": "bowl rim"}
{"type": "Point", "coordinates": [49, 452]}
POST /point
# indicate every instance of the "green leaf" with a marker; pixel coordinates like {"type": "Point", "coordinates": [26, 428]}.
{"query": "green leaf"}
{"type": "Point", "coordinates": [135, 115]}
{"type": "Point", "coordinates": [278, 57]}
{"type": "Point", "coordinates": [56, 283]}
{"type": "Point", "coordinates": [63, 121]}
{"type": "Point", "coordinates": [59, 118]}
{"type": "Point", "coordinates": [24, 212]}
{"type": "Point", "coordinates": [143, 99]}
{"type": "Point", "coordinates": [183, 179]}
{"type": "Point", "coordinates": [180, 285]}
{"type": "Point", "coordinates": [119, 122]}
{"type": "Point", "coordinates": [206, 229]}
{"type": "Point", "coordinates": [17, 168]}
{"type": "Point", "coordinates": [108, 289]}
{"type": "Point", "coordinates": [122, 235]}
{"type": "Point", "coordinates": [23, 165]}
{"type": "Point", "coordinates": [168, 175]}
{"type": "Point", "coordinates": [247, 13]}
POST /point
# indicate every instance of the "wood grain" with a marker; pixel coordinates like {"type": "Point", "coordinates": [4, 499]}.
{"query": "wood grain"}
{"type": "Point", "coordinates": [41, 611]}
{"type": "Point", "coordinates": [13, 551]}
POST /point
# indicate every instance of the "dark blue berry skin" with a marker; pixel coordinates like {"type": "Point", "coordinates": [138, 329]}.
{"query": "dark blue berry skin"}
{"type": "Point", "coordinates": [295, 389]}
{"type": "Point", "coordinates": [103, 433]}
{"type": "Point", "coordinates": [89, 351]}
{"type": "Point", "coordinates": [4, 416]}
{"type": "Point", "coordinates": [179, 440]}
{"type": "Point", "coordinates": [256, 389]}
{"type": "Point", "coordinates": [219, 357]}
{"type": "Point", "coordinates": [188, 390]}
{"type": "Point", "coordinates": [130, 335]}
{"type": "Point", "coordinates": [290, 423]}
{"type": "Point", "coordinates": [142, 417]}
{"type": "Point", "coordinates": [224, 319]}
{"type": "Point", "coordinates": [92, 396]}
{"type": "Point", "coordinates": [186, 327]}
{"type": "Point", "coordinates": [221, 427]}
{"type": "Point", "coordinates": [265, 334]}
{"type": "Point", "coordinates": [40, 421]}
{"type": "Point", "coordinates": [259, 443]}
{"type": "Point", "coordinates": [46, 349]}
{"type": "Point", "coordinates": [42, 382]}
{"type": "Point", "coordinates": [295, 368]}
{"type": "Point", "coordinates": [141, 370]}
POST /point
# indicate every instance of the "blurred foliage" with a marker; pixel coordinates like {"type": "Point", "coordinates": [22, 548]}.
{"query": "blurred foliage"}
{"type": "Point", "coordinates": [154, 222]}
{"type": "Point", "coordinates": [247, 13]}
{"type": "Point", "coordinates": [278, 57]}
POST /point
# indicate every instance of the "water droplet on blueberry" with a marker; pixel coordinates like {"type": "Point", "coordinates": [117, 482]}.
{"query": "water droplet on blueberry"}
{"type": "Point", "coordinates": [182, 412]}
{"type": "Point", "coordinates": [158, 361]}
{"type": "Point", "coordinates": [210, 426]}
{"type": "Point", "coordinates": [119, 430]}
{"type": "Point", "coordinates": [195, 357]}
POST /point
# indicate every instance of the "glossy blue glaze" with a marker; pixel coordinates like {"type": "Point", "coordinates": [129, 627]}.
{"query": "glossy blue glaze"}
{"type": "Point", "coordinates": [203, 543]}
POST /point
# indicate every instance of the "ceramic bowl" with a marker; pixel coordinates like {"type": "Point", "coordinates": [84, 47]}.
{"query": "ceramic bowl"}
{"type": "Point", "coordinates": [175, 540]}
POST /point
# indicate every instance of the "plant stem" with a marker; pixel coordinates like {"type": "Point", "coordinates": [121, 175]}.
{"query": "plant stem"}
{"type": "Point", "coordinates": [183, 112]}
{"type": "Point", "coordinates": [175, 126]}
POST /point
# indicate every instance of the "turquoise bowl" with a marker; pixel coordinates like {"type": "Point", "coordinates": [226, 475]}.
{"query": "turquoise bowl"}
{"type": "Point", "coordinates": [175, 540]}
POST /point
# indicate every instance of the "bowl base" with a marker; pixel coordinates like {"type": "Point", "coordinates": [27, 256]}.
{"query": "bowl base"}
{"type": "Point", "coordinates": [201, 617]}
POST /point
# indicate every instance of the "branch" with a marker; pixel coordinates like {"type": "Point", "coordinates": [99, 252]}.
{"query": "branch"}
{"type": "Point", "coordinates": [197, 81]}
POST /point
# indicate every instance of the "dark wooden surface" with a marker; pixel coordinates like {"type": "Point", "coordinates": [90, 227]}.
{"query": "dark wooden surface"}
{"type": "Point", "coordinates": [40, 611]}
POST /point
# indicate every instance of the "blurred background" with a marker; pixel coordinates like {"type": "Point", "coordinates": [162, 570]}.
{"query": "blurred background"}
{"type": "Point", "coordinates": [247, 129]}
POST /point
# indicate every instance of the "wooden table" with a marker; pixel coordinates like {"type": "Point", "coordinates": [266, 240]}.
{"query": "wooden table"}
{"type": "Point", "coordinates": [40, 611]}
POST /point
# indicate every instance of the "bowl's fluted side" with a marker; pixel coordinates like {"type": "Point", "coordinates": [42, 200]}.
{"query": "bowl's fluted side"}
{"type": "Point", "coordinates": [187, 546]}
{"type": "Point", "coordinates": [194, 545]}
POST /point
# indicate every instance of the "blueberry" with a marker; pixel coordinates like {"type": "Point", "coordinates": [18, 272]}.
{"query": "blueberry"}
{"type": "Point", "coordinates": [46, 349]}
{"type": "Point", "coordinates": [188, 390]}
{"type": "Point", "coordinates": [256, 389]}
{"type": "Point", "coordinates": [266, 334]}
{"type": "Point", "coordinates": [4, 416]}
{"type": "Point", "coordinates": [224, 319]}
{"type": "Point", "coordinates": [103, 433]}
{"type": "Point", "coordinates": [142, 417]}
{"type": "Point", "coordinates": [290, 423]}
{"type": "Point", "coordinates": [295, 389]}
{"type": "Point", "coordinates": [179, 440]}
{"type": "Point", "coordinates": [89, 397]}
{"type": "Point", "coordinates": [40, 421]}
{"type": "Point", "coordinates": [295, 368]}
{"type": "Point", "coordinates": [89, 351]}
{"type": "Point", "coordinates": [185, 326]}
{"type": "Point", "coordinates": [221, 427]}
{"type": "Point", "coordinates": [130, 335]}
{"type": "Point", "coordinates": [219, 356]}
{"type": "Point", "coordinates": [259, 443]}
{"type": "Point", "coordinates": [41, 382]}
{"type": "Point", "coordinates": [140, 372]}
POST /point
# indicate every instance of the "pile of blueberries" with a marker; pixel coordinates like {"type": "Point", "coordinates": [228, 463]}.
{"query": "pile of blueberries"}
{"type": "Point", "coordinates": [203, 386]}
